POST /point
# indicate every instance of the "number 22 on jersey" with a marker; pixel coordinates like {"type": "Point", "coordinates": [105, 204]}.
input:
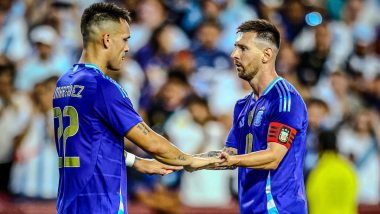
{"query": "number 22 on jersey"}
{"type": "Point", "coordinates": [66, 132]}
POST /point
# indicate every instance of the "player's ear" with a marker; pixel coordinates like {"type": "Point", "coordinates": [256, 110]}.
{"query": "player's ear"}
{"type": "Point", "coordinates": [106, 40]}
{"type": "Point", "coordinates": [267, 56]}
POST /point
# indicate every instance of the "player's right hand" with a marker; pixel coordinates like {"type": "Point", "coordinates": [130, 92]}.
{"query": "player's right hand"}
{"type": "Point", "coordinates": [151, 166]}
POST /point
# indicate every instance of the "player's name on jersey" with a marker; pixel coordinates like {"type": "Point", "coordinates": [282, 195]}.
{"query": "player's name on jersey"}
{"type": "Point", "coordinates": [68, 91]}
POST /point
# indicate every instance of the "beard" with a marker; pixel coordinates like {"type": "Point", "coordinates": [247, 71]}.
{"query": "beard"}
{"type": "Point", "coordinates": [246, 74]}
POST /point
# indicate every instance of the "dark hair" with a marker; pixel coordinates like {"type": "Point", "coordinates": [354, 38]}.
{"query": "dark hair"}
{"type": "Point", "coordinates": [98, 13]}
{"type": "Point", "coordinates": [178, 75]}
{"type": "Point", "coordinates": [7, 67]}
{"type": "Point", "coordinates": [195, 99]}
{"type": "Point", "coordinates": [210, 23]}
{"type": "Point", "coordinates": [327, 141]}
{"type": "Point", "coordinates": [264, 29]}
{"type": "Point", "coordinates": [154, 38]}
{"type": "Point", "coordinates": [317, 102]}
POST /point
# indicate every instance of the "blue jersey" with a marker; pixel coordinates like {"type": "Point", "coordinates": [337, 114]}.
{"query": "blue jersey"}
{"type": "Point", "coordinates": [92, 114]}
{"type": "Point", "coordinates": [279, 116]}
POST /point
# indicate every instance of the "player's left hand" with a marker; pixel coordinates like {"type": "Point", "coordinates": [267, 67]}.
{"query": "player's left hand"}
{"type": "Point", "coordinates": [151, 166]}
{"type": "Point", "coordinates": [226, 157]}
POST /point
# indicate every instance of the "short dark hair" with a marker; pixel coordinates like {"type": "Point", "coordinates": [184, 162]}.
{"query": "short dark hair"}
{"type": "Point", "coordinates": [195, 99]}
{"type": "Point", "coordinates": [327, 141]}
{"type": "Point", "coordinates": [7, 67]}
{"type": "Point", "coordinates": [317, 102]}
{"type": "Point", "coordinates": [100, 12]}
{"type": "Point", "coordinates": [210, 23]}
{"type": "Point", "coordinates": [264, 29]}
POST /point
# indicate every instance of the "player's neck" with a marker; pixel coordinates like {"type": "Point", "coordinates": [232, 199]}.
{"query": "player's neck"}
{"type": "Point", "coordinates": [90, 56]}
{"type": "Point", "coordinates": [261, 81]}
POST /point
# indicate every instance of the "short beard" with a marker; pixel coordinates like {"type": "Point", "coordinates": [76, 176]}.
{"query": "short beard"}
{"type": "Point", "coordinates": [247, 76]}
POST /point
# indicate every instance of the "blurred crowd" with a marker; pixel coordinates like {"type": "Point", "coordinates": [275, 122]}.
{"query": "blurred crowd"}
{"type": "Point", "coordinates": [181, 79]}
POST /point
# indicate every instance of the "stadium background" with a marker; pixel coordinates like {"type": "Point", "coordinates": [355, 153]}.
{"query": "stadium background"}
{"type": "Point", "coordinates": [180, 78]}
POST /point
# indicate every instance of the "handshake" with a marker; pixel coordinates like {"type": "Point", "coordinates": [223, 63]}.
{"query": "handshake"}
{"type": "Point", "coordinates": [215, 160]}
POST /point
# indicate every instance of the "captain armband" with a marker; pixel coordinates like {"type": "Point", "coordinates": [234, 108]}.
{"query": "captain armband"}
{"type": "Point", "coordinates": [281, 133]}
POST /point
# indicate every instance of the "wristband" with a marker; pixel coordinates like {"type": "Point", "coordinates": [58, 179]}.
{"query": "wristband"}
{"type": "Point", "coordinates": [130, 159]}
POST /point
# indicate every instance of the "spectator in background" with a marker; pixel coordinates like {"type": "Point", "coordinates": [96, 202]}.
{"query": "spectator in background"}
{"type": "Point", "coordinates": [156, 57]}
{"type": "Point", "coordinates": [160, 49]}
{"type": "Point", "coordinates": [342, 31]}
{"type": "Point", "coordinates": [360, 142]}
{"type": "Point", "coordinates": [314, 63]}
{"type": "Point", "coordinates": [318, 112]}
{"type": "Point", "coordinates": [194, 130]}
{"type": "Point", "coordinates": [342, 103]}
{"type": "Point", "coordinates": [13, 33]}
{"type": "Point", "coordinates": [35, 11]}
{"type": "Point", "coordinates": [205, 49]}
{"type": "Point", "coordinates": [170, 98]}
{"type": "Point", "coordinates": [220, 101]}
{"type": "Point", "coordinates": [233, 13]}
{"type": "Point", "coordinates": [371, 94]}
{"type": "Point", "coordinates": [14, 113]}
{"type": "Point", "coordinates": [184, 61]}
{"type": "Point", "coordinates": [62, 16]}
{"type": "Point", "coordinates": [45, 62]}
{"type": "Point", "coordinates": [150, 14]}
{"type": "Point", "coordinates": [209, 60]}
{"type": "Point", "coordinates": [198, 11]}
{"type": "Point", "coordinates": [332, 185]}
{"type": "Point", "coordinates": [227, 12]}
{"type": "Point", "coordinates": [34, 173]}
{"type": "Point", "coordinates": [292, 18]}
{"type": "Point", "coordinates": [363, 62]}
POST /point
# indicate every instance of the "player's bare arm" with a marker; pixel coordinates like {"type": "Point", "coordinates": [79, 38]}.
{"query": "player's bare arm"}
{"type": "Point", "coordinates": [216, 153]}
{"type": "Point", "coordinates": [151, 166]}
{"type": "Point", "coordinates": [162, 150]}
{"type": "Point", "coordinates": [268, 159]}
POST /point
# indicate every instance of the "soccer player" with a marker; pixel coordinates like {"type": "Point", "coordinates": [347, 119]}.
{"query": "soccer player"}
{"type": "Point", "coordinates": [267, 138]}
{"type": "Point", "coordinates": [93, 114]}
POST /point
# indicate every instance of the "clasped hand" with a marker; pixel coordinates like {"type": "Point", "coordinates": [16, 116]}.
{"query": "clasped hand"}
{"type": "Point", "coordinates": [208, 162]}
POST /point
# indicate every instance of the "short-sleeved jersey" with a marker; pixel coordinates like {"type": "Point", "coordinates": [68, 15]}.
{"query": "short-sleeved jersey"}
{"type": "Point", "coordinates": [92, 114]}
{"type": "Point", "coordinates": [279, 116]}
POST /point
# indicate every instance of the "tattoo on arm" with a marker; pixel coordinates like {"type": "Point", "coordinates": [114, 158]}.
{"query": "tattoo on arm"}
{"type": "Point", "coordinates": [230, 150]}
{"type": "Point", "coordinates": [181, 157]}
{"type": "Point", "coordinates": [143, 128]}
{"type": "Point", "coordinates": [208, 154]}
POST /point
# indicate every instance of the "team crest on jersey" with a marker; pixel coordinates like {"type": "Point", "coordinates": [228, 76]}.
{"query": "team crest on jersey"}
{"type": "Point", "coordinates": [258, 117]}
{"type": "Point", "coordinates": [241, 123]}
{"type": "Point", "coordinates": [284, 135]}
